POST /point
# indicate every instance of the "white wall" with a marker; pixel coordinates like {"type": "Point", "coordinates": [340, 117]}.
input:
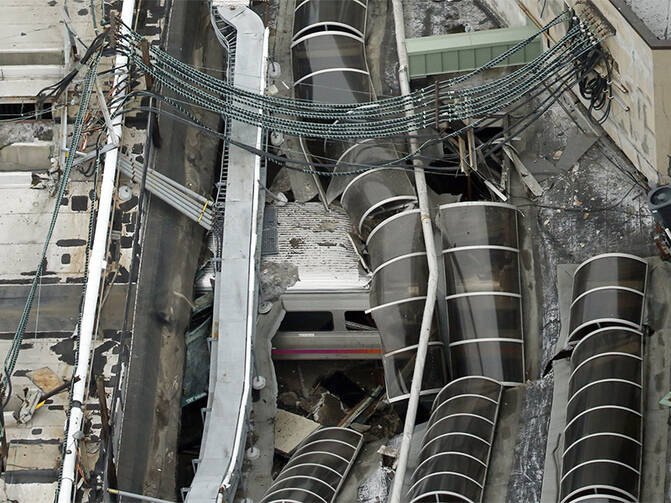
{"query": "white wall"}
{"type": "Point", "coordinates": [643, 131]}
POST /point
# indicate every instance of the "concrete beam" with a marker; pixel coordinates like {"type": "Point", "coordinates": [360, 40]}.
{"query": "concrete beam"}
{"type": "Point", "coordinates": [33, 156]}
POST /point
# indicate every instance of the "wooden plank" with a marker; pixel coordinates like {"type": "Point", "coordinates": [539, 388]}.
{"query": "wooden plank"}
{"type": "Point", "coordinates": [462, 161]}
{"type": "Point", "coordinates": [472, 157]}
{"type": "Point", "coordinates": [527, 178]}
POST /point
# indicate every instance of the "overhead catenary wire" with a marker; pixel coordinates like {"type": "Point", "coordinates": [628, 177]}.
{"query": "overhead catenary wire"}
{"type": "Point", "coordinates": [306, 105]}
{"type": "Point", "coordinates": [488, 148]}
{"type": "Point", "coordinates": [355, 168]}
{"type": "Point", "coordinates": [381, 118]}
{"type": "Point", "coordinates": [328, 130]}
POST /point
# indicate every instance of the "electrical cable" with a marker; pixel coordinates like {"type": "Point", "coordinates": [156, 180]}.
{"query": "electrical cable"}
{"type": "Point", "coordinates": [54, 91]}
{"type": "Point", "coordinates": [594, 87]}
{"type": "Point", "coordinates": [340, 122]}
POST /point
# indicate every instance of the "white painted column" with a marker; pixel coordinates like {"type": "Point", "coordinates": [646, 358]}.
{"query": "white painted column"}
{"type": "Point", "coordinates": [96, 266]}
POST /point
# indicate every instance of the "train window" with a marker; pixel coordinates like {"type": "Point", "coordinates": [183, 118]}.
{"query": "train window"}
{"type": "Point", "coordinates": [307, 321]}
{"type": "Point", "coordinates": [358, 320]}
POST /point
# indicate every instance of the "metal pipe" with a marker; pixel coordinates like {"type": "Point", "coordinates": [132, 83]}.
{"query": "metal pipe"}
{"type": "Point", "coordinates": [130, 170]}
{"type": "Point", "coordinates": [432, 259]}
{"type": "Point", "coordinates": [97, 264]}
{"type": "Point", "coordinates": [192, 212]}
{"type": "Point", "coordinates": [138, 497]}
{"type": "Point", "coordinates": [180, 187]}
{"type": "Point", "coordinates": [192, 209]}
{"type": "Point", "coordinates": [188, 208]}
{"type": "Point", "coordinates": [195, 208]}
{"type": "Point", "coordinates": [200, 213]}
{"type": "Point", "coordinates": [170, 190]}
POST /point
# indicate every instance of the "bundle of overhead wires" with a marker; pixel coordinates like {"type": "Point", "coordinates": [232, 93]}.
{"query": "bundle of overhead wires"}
{"type": "Point", "coordinates": [594, 87]}
{"type": "Point", "coordinates": [444, 102]}
{"type": "Point", "coordinates": [53, 92]}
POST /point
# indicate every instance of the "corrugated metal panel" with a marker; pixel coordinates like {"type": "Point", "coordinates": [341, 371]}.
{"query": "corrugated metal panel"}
{"type": "Point", "coordinates": [269, 240]}
{"type": "Point", "coordinates": [461, 52]}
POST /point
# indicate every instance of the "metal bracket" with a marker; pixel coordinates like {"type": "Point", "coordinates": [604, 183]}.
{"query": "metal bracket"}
{"type": "Point", "coordinates": [194, 464]}
{"type": "Point", "coordinates": [92, 155]}
{"type": "Point", "coordinates": [666, 401]}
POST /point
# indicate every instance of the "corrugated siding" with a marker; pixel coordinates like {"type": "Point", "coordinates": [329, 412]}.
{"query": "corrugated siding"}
{"type": "Point", "coordinates": [465, 52]}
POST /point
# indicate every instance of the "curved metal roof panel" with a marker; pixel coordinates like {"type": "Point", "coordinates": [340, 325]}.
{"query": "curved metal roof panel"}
{"type": "Point", "coordinates": [603, 435]}
{"type": "Point", "coordinates": [317, 468]}
{"type": "Point", "coordinates": [455, 450]}
{"type": "Point", "coordinates": [608, 290]}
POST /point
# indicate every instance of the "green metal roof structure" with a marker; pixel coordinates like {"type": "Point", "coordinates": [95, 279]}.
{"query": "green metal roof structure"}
{"type": "Point", "coordinates": [463, 52]}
